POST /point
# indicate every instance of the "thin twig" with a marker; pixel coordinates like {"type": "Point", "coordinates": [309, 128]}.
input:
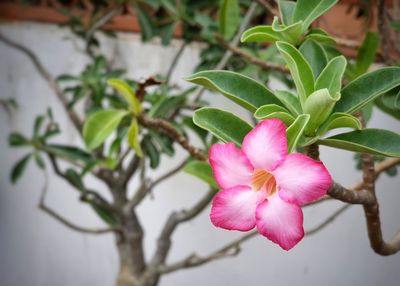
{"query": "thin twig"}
{"type": "Point", "coordinates": [169, 174]}
{"type": "Point", "coordinates": [268, 7]}
{"type": "Point", "coordinates": [66, 222]}
{"type": "Point", "coordinates": [250, 58]}
{"type": "Point", "coordinates": [224, 60]}
{"type": "Point", "coordinates": [175, 62]}
{"type": "Point", "coordinates": [168, 129]}
{"type": "Point", "coordinates": [77, 122]}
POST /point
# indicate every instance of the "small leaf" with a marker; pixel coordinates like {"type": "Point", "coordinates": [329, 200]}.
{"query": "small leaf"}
{"type": "Point", "coordinates": [319, 105]}
{"type": "Point", "coordinates": [366, 88]}
{"type": "Point", "coordinates": [100, 125]}
{"type": "Point", "coordinates": [320, 36]}
{"type": "Point", "coordinates": [39, 160]}
{"type": "Point", "coordinates": [133, 138]}
{"type": "Point", "coordinates": [286, 10]}
{"type": "Point", "coordinates": [222, 124]}
{"type": "Point", "coordinates": [261, 34]}
{"type": "Point", "coordinates": [75, 179]}
{"type": "Point", "coordinates": [366, 53]}
{"type": "Point", "coordinates": [128, 93]}
{"type": "Point", "coordinates": [69, 153]}
{"type": "Point", "coordinates": [151, 151]}
{"type": "Point", "coordinates": [201, 170]}
{"type": "Point", "coordinates": [291, 33]}
{"type": "Point", "coordinates": [299, 69]}
{"type": "Point", "coordinates": [290, 101]}
{"type": "Point", "coordinates": [295, 131]}
{"type": "Point", "coordinates": [310, 10]}
{"type": "Point", "coordinates": [229, 18]}
{"type": "Point", "coordinates": [373, 141]}
{"type": "Point", "coordinates": [331, 76]}
{"type": "Point", "coordinates": [36, 126]}
{"type": "Point", "coordinates": [241, 89]}
{"type": "Point", "coordinates": [17, 139]}
{"type": "Point", "coordinates": [315, 55]}
{"type": "Point", "coordinates": [389, 103]}
{"type": "Point", "coordinates": [274, 111]}
{"type": "Point", "coordinates": [19, 168]}
{"type": "Point", "coordinates": [146, 24]}
{"type": "Point", "coordinates": [339, 120]}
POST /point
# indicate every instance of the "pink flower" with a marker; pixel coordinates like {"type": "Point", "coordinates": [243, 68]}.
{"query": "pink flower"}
{"type": "Point", "coordinates": [263, 186]}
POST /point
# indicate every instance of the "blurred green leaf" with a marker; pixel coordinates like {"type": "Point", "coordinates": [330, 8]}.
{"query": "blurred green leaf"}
{"type": "Point", "coordinates": [19, 168]}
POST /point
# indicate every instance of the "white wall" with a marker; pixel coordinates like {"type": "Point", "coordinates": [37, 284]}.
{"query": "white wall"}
{"type": "Point", "coordinates": [38, 251]}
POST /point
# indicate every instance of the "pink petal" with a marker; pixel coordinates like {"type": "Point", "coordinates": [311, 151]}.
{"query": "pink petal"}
{"type": "Point", "coordinates": [280, 222]}
{"type": "Point", "coordinates": [230, 166]}
{"type": "Point", "coordinates": [266, 144]}
{"type": "Point", "coordinates": [301, 179]}
{"type": "Point", "coordinates": [235, 208]}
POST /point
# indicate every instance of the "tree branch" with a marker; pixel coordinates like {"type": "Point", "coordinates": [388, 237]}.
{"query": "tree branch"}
{"type": "Point", "coordinates": [175, 62]}
{"type": "Point", "coordinates": [168, 129]}
{"type": "Point", "coordinates": [77, 122]}
{"type": "Point", "coordinates": [66, 222]}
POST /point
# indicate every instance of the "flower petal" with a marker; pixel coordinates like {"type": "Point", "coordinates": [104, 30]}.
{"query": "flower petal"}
{"type": "Point", "coordinates": [280, 222]}
{"type": "Point", "coordinates": [230, 166]}
{"type": "Point", "coordinates": [301, 180]}
{"type": "Point", "coordinates": [266, 144]}
{"type": "Point", "coordinates": [235, 208]}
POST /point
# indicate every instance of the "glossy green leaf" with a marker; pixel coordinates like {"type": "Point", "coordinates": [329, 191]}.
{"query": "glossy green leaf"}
{"type": "Point", "coordinates": [229, 18]}
{"type": "Point", "coordinates": [274, 111]}
{"type": "Point", "coordinates": [241, 89]}
{"type": "Point", "coordinates": [331, 76]}
{"type": "Point", "coordinates": [310, 10]}
{"type": "Point", "coordinates": [366, 53]}
{"type": "Point", "coordinates": [339, 120]}
{"type": "Point", "coordinates": [319, 105]}
{"type": "Point", "coordinates": [295, 131]}
{"type": "Point", "coordinates": [19, 168]}
{"type": "Point", "coordinates": [222, 124]}
{"type": "Point", "coordinates": [261, 34]}
{"type": "Point", "coordinates": [315, 56]}
{"type": "Point", "coordinates": [127, 92]}
{"type": "Point", "coordinates": [100, 125]}
{"type": "Point", "coordinates": [373, 141]}
{"type": "Point", "coordinates": [366, 88]}
{"type": "Point", "coordinates": [286, 10]}
{"type": "Point", "coordinates": [17, 139]}
{"type": "Point", "coordinates": [291, 33]}
{"type": "Point", "coordinates": [133, 137]}
{"type": "Point", "coordinates": [290, 101]}
{"type": "Point", "coordinates": [320, 36]}
{"type": "Point", "coordinates": [299, 69]}
{"type": "Point", "coordinates": [201, 170]}
{"type": "Point", "coordinates": [69, 153]}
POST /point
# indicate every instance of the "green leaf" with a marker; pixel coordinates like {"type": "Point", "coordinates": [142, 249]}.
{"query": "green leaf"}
{"type": "Point", "coordinates": [229, 18]}
{"type": "Point", "coordinates": [151, 151]}
{"type": "Point", "coordinates": [286, 10]}
{"type": "Point", "coordinates": [201, 133]}
{"type": "Point", "coordinates": [320, 36]}
{"type": "Point", "coordinates": [299, 69]}
{"type": "Point", "coordinates": [366, 88]}
{"type": "Point", "coordinates": [366, 53]}
{"type": "Point", "coordinates": [222, 124]}
{"type": "Point", "coordinates": [331, 76]}
{"type": "Point", "coordinates": [339, 120]}
{"type": "Point", "coordinates": [315, 55]}
{"type": "Point", "coordinates": [36, 126]}
{"type": "Point", "coordinates": [146, 24]}
{"type": "Point", "coordinates": [241, 89]}
{"type": "Point", "coordinates": [274, 111]}
{"type": "Point", "coordinates": [261, 34]}
{"type": "Point", "coordinates": [319, 105]}
{"type": "Point", "coordinates": [295, 131]}
{"type": "Point", "coordinates": [167, 32]}
{"type": "Point", "coordinates": [75, 179]}
{"type": "Point", "coordinates": [19, 168]}
{"type": "Point", "coordinates": [310, 10]}
{"type": "Point", "coordinates": [390, 103]}
{"type": "Point", "coordinates": [39, 160]}
{"type": "Point", "coordinates": [128, 93]}
{"type": "Point", "coordinates": [166, 106]}
{"type": "Point", "coordinates": [164, 143]}
{"type": "Point", "coordinates": [69, 153]}
{"type": "Point", "coordinates": [100, 125]}
{"type": "Point", "coordinates": [133, 137]}
{"type": "Point", "coordinates": [201, 170]}
{"type": "Point", "coordinates": [291, 33]}
{"type": "Point", "coordinates": [17, 139]}
{"type": "Point", "coordinates": [290, 101]}
{"type": "Point", "coordinates": [373, 141]}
